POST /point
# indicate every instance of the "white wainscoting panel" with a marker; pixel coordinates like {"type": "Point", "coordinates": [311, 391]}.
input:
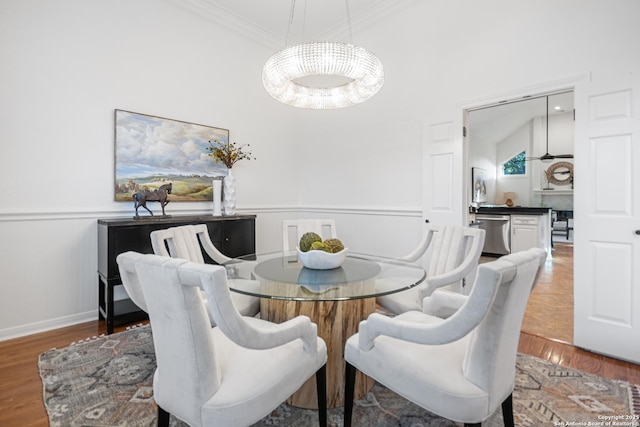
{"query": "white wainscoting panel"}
{"type": "Point", "coordinates": [49, 274]}
{"type": "Point", "coordinates": [49, 259]}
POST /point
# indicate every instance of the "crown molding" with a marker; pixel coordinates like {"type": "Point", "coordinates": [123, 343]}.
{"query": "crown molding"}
{"type": "Point", "coordinates": [231, 21]}
{"type": "Point", "coordinates": [375, 12]}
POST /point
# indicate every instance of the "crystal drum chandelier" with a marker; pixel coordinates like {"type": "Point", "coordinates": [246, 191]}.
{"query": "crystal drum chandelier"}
{"type": "Point", "coordinates": [322, 75]}
{"type": "Point", "coordinates": [356, 75]}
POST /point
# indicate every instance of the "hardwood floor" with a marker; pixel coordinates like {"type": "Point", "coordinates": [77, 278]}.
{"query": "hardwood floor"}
{"type": "Point", "coordinates": [20, 386]}
{"type": "Point", "coordinates": [546, 333]}
{"type": "Point", "coordinates": [550, 309]}
{"type": "Point", "coordinates": [547, 327]}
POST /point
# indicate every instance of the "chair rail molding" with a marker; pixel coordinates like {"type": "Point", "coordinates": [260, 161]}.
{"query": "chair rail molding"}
{"type": "Point", "coordinates": [364, 210]}
{"type": "Point", "coordinates": [18, 215]}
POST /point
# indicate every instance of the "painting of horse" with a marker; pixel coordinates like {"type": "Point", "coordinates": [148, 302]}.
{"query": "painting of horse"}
{"type": "Point", "coordinates": [150, 150]}
{"type": "Point", "coordinates": [141, 198]}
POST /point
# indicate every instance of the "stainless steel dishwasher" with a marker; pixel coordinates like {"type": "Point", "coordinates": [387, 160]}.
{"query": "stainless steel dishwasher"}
{"type": "Point", "coordinates": [497, 239]}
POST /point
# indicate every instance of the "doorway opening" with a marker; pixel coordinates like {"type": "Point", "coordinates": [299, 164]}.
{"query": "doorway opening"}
{"type": "Point", "coordinates": [495, 135]}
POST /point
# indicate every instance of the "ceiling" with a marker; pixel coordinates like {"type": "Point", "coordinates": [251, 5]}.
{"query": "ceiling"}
{"type": "Point", "coordinates": [494, 123]}
{"type": "Point", "coordinates": [313, 20]}
{"type": "Point", "coordinates": [267, 23]}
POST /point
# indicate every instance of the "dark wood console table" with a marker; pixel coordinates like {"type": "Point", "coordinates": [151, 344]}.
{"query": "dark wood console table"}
{"type": "Point", "coordinates": [234, 236]}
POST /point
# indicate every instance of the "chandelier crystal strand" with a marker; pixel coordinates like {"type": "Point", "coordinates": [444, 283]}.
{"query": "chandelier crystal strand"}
{"type": "Point", "coordinates": [361, 68]}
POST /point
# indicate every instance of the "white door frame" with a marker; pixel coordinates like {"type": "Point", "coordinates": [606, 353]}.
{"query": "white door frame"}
{"type": "Point", "coordinates": [445, 138]}
{"type": "Point", "coordinates": [580, 85]}
{"type": "Point", "coordinates": [569, 83]}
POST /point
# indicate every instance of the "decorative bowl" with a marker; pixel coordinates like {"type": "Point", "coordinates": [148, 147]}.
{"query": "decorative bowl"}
{"type": "Point", "coordinates": [321, 260]}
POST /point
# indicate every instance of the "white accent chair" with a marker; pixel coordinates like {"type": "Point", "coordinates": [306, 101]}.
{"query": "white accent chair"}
{"type": "Point", "coordinates": [131, 283]}
{"type": "Point", "coordinates": [325, 228]}
{"type": "Point", "coordinates": [454, 254]}
{"type": "Point", "coordinates": [461, 368]}
{"type": "Point", "coordinates": [230, 375]}
{"type": "Point", "coordinates": [187, 242]}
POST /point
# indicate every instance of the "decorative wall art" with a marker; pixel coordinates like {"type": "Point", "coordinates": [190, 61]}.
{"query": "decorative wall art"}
{"type": "Point", "coordinates": [478, 185]}
{"type": "Point", "coordinates": [151, 151]}
{"type": "Point", "coordinates": [560, 173]}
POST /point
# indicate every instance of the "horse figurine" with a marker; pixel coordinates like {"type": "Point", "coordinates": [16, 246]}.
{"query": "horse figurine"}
{"type": "Point", "coordinates": [160, 195]}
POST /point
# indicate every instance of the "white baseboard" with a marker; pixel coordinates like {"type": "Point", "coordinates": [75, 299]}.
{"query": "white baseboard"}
{"type": "Point", "coordinates": [47, 325]}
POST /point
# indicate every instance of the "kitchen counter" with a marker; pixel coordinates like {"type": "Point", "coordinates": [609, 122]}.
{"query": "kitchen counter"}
{"type": "Point", "coordinates": [513, 229]}
{"type": "Point", "coordinates": [516, 210]}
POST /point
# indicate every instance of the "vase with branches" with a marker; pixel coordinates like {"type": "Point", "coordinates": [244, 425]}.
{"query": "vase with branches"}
{"type": "Point", "coordinates": [229, 153]}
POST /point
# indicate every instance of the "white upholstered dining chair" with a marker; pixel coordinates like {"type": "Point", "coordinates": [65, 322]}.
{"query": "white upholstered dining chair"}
{"type": "Point", "coordinates": [233, 374]}
{"type": "Point", "coordinates": [461, 368]}
{"type": "Point", "coordinates": [187, 242]}
{"type": "Point", "coordinates": [454, 252]}
{"type": "Point", "coordinates": [325, 228]}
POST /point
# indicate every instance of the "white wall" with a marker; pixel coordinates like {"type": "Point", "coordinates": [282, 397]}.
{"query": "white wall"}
{"type": "Point", "coordinates": [561, 138]}
{"type": "Point", "coordinates": [68, 64]}
{"type": "Point", "coordinates": [532, 138]}
{"type": "Point", "coordinates": [561, 133]}
{"type": "Point", "coordinates": [73, 62]}
{"type": "Point", "coordinates": [439, 55]}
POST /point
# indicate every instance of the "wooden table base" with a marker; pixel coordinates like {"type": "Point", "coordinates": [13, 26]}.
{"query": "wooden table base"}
{"type": "Point", "coordinates": [337, 321]}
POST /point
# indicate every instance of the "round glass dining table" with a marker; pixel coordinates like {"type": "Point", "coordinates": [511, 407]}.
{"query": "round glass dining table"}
{"type": "Point", "coordinates": [336, 300]}
{"type": "Point", "coordinates": [282, 276]}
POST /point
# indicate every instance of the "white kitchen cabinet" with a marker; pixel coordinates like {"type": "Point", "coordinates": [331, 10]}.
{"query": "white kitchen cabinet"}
{"type": "Point", "coordinates": [527, 231]}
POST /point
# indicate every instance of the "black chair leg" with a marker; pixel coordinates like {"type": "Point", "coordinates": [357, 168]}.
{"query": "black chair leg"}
{"type": "Point", "coordinates": [507, 411]}
{"type": "Point", "coordinates": [349, 385]}
{"type": "Point", "coordinates": [321, 390]}
{"type": "Point", "coordinates": [507, 414]}
{"type": "Point", "coordinates": [163, 417]}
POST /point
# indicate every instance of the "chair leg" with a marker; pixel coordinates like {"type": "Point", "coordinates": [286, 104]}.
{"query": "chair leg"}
{"type": "Point", "coordinates": [163, 417]}
{"type": "Point", "coordinates": [321, 390]}
{"type": "Point", "coordinates": [349, 385]}
{"type": "Point", "coordinates": [507, 414]}
{"type": "Point", "coordinates": [507, 411]}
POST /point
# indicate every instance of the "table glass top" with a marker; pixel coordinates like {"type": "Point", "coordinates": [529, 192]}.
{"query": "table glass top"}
{"type": "Point", "coordinates": [278, 275]}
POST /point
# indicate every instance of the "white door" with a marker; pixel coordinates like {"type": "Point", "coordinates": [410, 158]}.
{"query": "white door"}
{"type": "Point", "coordinates": [607, 218]}
{"type": "Point", "coordinates": [442, 175]}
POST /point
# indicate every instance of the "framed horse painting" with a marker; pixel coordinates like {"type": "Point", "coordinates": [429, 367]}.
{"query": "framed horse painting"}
{"type": "Point", "coordinates": [152, 151]}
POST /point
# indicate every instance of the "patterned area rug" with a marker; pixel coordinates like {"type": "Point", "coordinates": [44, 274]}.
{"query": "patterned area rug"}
{"type": "Point", "coordinates": [107, 381]}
